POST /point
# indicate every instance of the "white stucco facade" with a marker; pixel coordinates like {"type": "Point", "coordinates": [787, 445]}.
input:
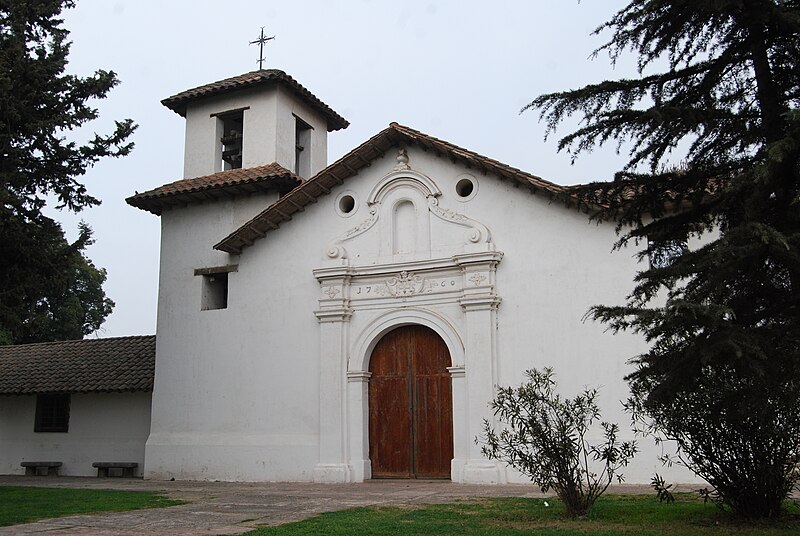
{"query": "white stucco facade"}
{"type": "Point", "coordinates": [103, 427]}
{"type": "Point", "coordinates": [263, 356]}
{"type": "Point", "coordinates": [274, 387]}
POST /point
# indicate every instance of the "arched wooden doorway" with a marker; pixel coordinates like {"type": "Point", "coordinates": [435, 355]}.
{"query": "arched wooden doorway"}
{"type": "Point", "coordinates": [410, 405]}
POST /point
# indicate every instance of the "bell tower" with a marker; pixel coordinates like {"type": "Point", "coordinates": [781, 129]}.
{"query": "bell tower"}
{"type": "Point", "coordinates": [254, 119]}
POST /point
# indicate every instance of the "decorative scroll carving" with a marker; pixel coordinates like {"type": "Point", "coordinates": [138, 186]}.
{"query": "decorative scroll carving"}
{"type": "Point", "coordinates": [335, 249]}
{"type": "Point", "coordinates": [403, 284]}
{"type": "Point", "coordinates": [479, 233]}
{"type": "Point", "coordinates": [419, 183]}
{"type": "Point", "coordinates": [407, 284]}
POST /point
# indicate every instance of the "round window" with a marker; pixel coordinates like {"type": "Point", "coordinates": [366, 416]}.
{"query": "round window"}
{"type": "Point", "coordinates": [346, 204]}
{"type": "Point", "coordinates": [465, 188]}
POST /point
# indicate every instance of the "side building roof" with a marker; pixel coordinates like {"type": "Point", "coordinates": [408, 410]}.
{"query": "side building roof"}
{"type": "Point", "coordinates": [115, 364]}
{"type": "Point", "coordinates": [178, 102]}
{"type": "Point", "coordinates": [395, 135]}
{"type": "Point", "coordinates": [245, 181]}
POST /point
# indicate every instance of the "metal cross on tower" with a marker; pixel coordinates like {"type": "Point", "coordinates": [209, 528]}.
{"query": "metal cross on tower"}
{"type": "Point", "coordinates": [261, 40]}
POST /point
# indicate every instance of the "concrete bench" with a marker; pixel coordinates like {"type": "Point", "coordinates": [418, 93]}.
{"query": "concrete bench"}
{"type": "Point", "coordinates": [115, 469]}
{"type": "Point", "coordinates": [41, 468]}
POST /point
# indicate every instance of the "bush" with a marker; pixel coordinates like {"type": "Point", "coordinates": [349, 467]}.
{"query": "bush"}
{"type": "Point", "coordinates": [545, 438]}
{"type": "Point", "coordinates": [740, 433]}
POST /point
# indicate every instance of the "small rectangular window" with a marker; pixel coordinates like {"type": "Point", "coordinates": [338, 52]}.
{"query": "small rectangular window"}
{"type": "Point", "coordinates": [215, 291]}
{"type": "Point", "coordinates": [214, 294]}
{"type": "Point", "coordinates": [52, 413]}
{"type": "Point", "coordinates": [302, 148]}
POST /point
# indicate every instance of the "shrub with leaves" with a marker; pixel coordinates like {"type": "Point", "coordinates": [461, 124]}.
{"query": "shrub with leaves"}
{"type": "Point", "coordinates": [545, 437]}
{"type": "Point", "coordinates": [662, 489]}
{"type": "Point", "coordinates": [739, 434]}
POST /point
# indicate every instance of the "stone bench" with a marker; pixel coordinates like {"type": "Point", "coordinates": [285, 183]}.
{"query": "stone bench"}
{"type": "Point", "coordinates": [41, 468]}
{"type": "Point", "coordinates": [115, 469]}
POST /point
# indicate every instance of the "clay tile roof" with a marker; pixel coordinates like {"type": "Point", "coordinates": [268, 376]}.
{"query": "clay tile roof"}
{"type": "Point", "coordinates": [475, 160]}
{"type": "Point", "coordinates": [222, 184]}
{"type": "Point", "coordinates": [89, 365]}
{"type": "Point", "coordinates": [362, 156]}
{"type": "Point", "coordinates": [177, 103]}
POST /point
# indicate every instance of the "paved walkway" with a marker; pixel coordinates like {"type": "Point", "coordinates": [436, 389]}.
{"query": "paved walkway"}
{"type": "Point", "coordinates": [239, 507]}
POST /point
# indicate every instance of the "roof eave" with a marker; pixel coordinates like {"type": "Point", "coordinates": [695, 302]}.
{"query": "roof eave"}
{"type": "Point", "coordinates": [362, 156]}
{"type": "Point", "coordinates": [295, 201]}
{"type": "Point", "coordinates": [155, 203]}
{"type": "Point", "coordinates": [30, 392]}
{"type": "Point", "coordinates": [179, 103]}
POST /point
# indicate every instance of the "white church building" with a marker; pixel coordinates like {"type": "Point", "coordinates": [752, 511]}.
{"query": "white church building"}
{"type": "Point", "coordinates": [336, 323]}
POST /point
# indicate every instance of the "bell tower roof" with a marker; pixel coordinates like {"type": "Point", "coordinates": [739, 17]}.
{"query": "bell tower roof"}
{"type": "Point", "coordinates": [251, 120]}
{"type": "Point", "coordinates": [263, 77]}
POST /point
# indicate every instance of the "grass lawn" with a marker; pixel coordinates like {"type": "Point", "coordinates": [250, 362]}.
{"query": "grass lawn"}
{"type": "Point", "coordinates": [613, 514]}
{"type": "Point", "coordinates": [23, 504]}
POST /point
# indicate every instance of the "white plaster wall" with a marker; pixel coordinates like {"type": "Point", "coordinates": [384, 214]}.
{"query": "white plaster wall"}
{"type": "Point", "coordinates": [103, 427]}
{"type": "Point", "coordinates": [219, 384]}
{"type": "Point", "coordinates": [269, 131]}
{"type": "Point", "coordinates": [237, 389]}
{"type": "Point", "coordinates": [556, 265]}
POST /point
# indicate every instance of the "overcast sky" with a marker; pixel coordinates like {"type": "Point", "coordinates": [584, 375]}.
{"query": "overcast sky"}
{"type": "Point", "coordinates": [458, 70]}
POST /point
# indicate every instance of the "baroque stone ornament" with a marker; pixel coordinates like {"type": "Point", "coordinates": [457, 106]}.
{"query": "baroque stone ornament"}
{"type": "Point", "coordinates": [408, 183]}
{"type": "Point", "coordinates": [335, 249]}
{"type": "Point", "coordinates": [332, 292]}
{"type": "Point", "coordinates": [478, 278]}
{"type": "Point", "coordinates": [402, 160]}
{"type": "Point", "coordinates": [478, 233]}
{"type": "Point", "coordinates": [407, 284]}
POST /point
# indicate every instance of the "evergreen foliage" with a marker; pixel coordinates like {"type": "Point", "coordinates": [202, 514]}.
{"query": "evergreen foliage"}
{"type": "Point", "coordinates": [722, 375]}
{"type": "Point", "coordinates": [50, 290]}
{"type": "Point", "coordinates": [545, 437]}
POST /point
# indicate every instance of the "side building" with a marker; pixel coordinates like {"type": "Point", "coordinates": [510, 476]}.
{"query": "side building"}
{"type": "Point", "coordinates": [76, 402]}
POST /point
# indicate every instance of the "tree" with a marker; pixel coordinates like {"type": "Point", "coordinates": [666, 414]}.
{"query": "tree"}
{"type": "Point", "coordinates": [722, 375]}
{"type": "Point", "coordinates": [50, 289]}
{"type": "Point", "coordinates": [544, 436]}
{"type": "Point", "coordinates": [61, 298]}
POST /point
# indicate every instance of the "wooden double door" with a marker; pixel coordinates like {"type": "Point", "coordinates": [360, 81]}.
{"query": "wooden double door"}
{"type": "Point", "coordinates": [410, 405]}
